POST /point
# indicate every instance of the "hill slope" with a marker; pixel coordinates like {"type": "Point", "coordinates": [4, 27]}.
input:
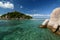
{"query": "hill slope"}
{"type": "Point", "coordinates": [15, 15]}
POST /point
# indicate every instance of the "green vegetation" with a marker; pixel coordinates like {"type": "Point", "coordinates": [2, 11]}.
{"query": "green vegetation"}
{"type": "Point", "coordinates": [15, 15]}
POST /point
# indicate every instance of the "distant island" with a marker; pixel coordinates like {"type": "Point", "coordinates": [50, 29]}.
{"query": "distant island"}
{"type": "Point", "coordinates": [15, 15]}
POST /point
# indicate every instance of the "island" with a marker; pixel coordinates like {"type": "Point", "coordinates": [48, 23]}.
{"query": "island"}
{"type": "Point", "coordinates": [15, 15]}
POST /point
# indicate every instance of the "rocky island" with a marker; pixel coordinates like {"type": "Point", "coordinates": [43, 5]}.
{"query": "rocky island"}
{"type": "Point", "coordinates": [14, 15]}
{"type": "Point", "coordinates": [54, 22]}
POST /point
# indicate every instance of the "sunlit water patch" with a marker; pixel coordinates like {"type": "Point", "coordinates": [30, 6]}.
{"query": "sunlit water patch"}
{"type": "Point", "coordinates": [25, 30]}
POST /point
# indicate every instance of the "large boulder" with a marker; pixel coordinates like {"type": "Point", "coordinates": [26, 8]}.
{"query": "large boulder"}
{"type": "Point", "coordinates": [54, 22]}
{"type": "Point", "coordinates": [44, 24]}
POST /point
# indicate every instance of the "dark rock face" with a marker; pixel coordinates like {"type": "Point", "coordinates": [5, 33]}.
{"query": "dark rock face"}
{"type": "Point", "coordinates": [54, 22]}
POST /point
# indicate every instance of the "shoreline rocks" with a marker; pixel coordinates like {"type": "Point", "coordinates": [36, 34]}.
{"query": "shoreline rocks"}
{"type": "Point", "coordinates": [44, 24]}
{"type": "Point", "coordinates": [54, 22]}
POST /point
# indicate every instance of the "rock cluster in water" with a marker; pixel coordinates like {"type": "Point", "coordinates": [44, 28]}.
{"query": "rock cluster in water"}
{"type": "Point", "coordinates": [54, 22]}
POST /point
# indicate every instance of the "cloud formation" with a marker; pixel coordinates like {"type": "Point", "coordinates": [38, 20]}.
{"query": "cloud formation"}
{"type": "Point", "coordinates": [21, 6]}
{"type": "Point", "coordinates": [6, 5]}
{"type": "Point", "coordinates": [38, 14]}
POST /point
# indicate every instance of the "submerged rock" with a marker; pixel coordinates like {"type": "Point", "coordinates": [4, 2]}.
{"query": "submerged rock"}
{"type": "Point", "coordinates": [54, 22]}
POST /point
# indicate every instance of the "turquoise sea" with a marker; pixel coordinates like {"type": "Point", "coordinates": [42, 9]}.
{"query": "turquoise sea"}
{"type": "Point", "coordinates": [25, 30]}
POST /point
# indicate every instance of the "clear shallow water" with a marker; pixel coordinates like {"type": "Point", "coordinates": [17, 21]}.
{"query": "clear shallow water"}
{"type": "Point", "coordinates": [25, 30]}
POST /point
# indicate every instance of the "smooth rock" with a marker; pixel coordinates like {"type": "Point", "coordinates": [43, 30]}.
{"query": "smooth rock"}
{"type": "Point", "coordinates": [54, 22]}
{"type": "Point", "coordinates": [55, 17]}
{"type": "Point", "coordinates": [44, 24]}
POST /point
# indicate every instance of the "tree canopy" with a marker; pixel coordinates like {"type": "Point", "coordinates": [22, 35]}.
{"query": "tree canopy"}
{"type": "Point", "coordinates": [16, 14]}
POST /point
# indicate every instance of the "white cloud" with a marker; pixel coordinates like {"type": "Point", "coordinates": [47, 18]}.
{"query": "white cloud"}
{"type": "Point", "coordinates": [38, 14]}
{"type": "Point", "coordinates": [21, 6]}
{"type": "Point", "coordinates": [6, 5]}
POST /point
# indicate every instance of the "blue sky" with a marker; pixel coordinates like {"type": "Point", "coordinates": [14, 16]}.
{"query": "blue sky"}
{"type": "Point", "coordinates": [30, 7]}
